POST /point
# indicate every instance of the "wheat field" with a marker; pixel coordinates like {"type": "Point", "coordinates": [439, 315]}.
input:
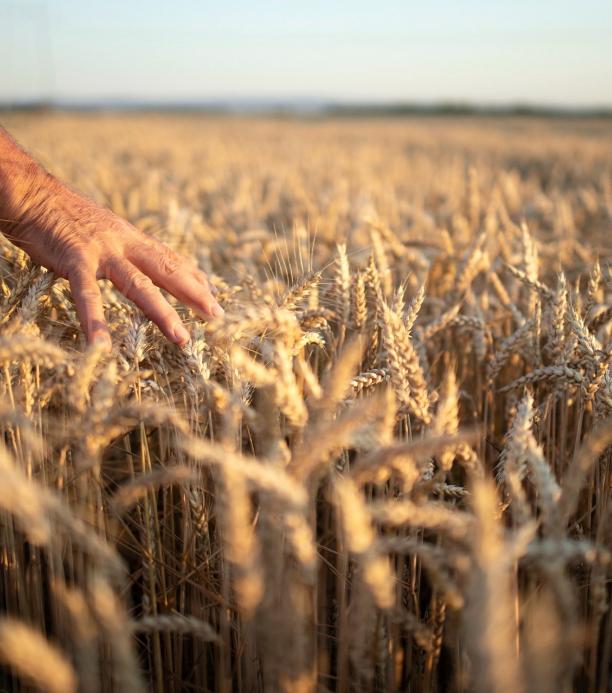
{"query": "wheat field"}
{"type": "Point", "coordinates": [386, 468]}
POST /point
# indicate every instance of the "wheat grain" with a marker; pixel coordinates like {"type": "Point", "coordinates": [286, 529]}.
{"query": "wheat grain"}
{"type": "Point", "coordinates": [34, 658]}
{"type": "Point", "coordinates": [300, 497]}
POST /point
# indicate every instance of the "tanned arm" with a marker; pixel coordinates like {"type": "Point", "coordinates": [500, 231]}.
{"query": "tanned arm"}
{"type": "Point", "coordinates": [77, 239]}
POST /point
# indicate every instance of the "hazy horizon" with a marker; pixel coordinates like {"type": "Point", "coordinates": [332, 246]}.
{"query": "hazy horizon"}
{"type": "Point", "coordinates": [308, 106]}
{"type": "Point", "coordinates": [547, 54]}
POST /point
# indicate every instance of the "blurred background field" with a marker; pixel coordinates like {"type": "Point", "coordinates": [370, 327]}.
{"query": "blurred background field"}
{"type": "Point", "coordinates": [405, 164]}
{"type": "Point", "coordinates": [386, 468]}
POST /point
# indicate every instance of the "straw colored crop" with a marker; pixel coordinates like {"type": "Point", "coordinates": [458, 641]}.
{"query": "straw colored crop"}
{"type": "Point", "coordinates": [386, 468]}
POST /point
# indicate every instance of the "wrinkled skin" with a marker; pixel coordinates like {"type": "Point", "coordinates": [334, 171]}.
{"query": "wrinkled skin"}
{"type": "Point", "coordinates": [77, 239]}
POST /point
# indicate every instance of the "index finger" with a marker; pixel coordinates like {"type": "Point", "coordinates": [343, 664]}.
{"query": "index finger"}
{"type": "Point", "coordinates": [171, 272]}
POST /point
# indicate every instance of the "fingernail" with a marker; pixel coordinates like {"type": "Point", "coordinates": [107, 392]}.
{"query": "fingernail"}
{"type": "Point", "coordinates": [181, 335]}
{"type": "Point", "coordinates": [216, 310]}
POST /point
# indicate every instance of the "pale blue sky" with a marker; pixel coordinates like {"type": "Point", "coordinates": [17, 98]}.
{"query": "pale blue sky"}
{"type": "Point", "coordinates": [540, 51]}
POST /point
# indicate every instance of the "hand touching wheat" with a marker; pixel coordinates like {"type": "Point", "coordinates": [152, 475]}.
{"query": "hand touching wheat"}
{"type": "Point", "coordinates": [83, 242]}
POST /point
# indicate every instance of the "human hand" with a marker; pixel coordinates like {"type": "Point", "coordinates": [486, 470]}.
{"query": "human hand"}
{"type": "Point", "coordinates": [83, 242]}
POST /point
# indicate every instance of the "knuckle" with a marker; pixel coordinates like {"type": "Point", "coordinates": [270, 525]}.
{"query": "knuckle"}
{"type": "Point", "coordinates": [89, 294]}
{"type": "Point", "coordinates": [168, 261]}
{"type": "Point", "coordinates": [137, 242]}
{"type": "Point", "coordinates": [167, 319]}
{"type": "Point", "coordinates": [78, 253]}
{"type": "Point", "coordinates": [142, 283]}
{"type": "Point", "coordinates": [137, 283]}
{"type": "Point", "coordinates": [78, 259]}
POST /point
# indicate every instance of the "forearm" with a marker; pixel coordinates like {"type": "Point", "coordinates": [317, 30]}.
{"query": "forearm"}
{"type": "Point", "coordinates": [28, 193]}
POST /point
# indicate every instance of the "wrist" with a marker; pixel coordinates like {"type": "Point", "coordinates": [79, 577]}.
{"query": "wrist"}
{"type": "Point", "coordinates": [30, 199]}
{"type": "Point", "coordinates": [26, 188]}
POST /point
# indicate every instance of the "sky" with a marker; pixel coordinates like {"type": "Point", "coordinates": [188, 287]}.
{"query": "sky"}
{"type": "Point", "coordinates": [482, 51]}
